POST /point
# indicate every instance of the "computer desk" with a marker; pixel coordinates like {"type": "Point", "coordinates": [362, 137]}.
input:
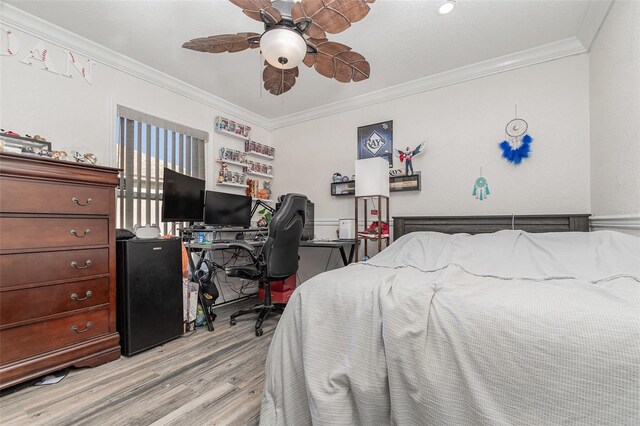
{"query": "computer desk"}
{"type": "Point", "coordinates": [223, 245]}
{"type": "Point", "coordinates": [333, 244]}
{"type": "Point", "coordinates": [201, 249]}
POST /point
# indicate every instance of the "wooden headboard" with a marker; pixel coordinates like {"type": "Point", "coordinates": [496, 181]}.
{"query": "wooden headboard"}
{"type": "Point", "coordinates": [484, 224]}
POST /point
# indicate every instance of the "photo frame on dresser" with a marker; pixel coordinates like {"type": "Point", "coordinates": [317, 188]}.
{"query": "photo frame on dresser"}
{"type": "Point", "coordinates": [376, 140]}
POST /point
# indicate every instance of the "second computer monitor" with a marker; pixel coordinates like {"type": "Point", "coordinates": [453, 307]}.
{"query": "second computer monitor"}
{"type": "Point", "coordinates": [222, 209]}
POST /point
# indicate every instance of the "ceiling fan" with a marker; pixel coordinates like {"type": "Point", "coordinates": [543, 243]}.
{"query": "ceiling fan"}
{"type": "Point", "coordinates": [294, 32]}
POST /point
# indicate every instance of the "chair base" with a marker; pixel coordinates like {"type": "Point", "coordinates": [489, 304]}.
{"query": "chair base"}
{"type": "Point", "coordinates": [262, 309]}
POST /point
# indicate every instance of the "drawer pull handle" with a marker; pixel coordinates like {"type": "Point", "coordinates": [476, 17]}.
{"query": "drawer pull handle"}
{"type": "Point", "coordinates": [75, 233]}
{"type": "Point", "coordinates": [88, 263]}
{"type": "Point", "coordinates": [86, 328]}
{"type": "Point", "coordinates": [75, 200]}
{"type": "Point", "coordinates": [88, 294]}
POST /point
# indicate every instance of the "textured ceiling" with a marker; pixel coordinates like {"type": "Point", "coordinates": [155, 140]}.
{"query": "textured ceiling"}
{"type": "Point", "coordinates": [402, 40]}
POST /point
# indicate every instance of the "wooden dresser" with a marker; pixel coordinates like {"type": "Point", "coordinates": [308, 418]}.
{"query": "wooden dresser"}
{"type": "Point", "coordinates": [57, 266]}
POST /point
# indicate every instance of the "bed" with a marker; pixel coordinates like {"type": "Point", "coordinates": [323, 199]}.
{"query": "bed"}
{"type": "Point", "coordinates": [474, 328]}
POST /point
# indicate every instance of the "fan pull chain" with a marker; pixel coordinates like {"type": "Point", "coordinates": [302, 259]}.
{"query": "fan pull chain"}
{"type": "Point", "coordinates": [260, 74]}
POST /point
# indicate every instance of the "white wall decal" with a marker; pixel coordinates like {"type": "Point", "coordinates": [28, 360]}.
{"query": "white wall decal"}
{"type": "Point", "coordinates": [40, 52]}
{"type": "Point", "coordinates": [9, 43]}
{"type": "Point", "coordinates": [86, 73]}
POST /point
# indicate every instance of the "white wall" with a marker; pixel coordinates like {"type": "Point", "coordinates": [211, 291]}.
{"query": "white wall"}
{"type": "Point", "coordinates": [462, 125]}
{"type": "Point", "coordinates": [73, 114]}
{"type": "Point", "coordinates": [615, 115]}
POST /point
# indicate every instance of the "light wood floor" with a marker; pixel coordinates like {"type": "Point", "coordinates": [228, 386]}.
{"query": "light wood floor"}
{"type": "Point", "coordinates": [213, 378]}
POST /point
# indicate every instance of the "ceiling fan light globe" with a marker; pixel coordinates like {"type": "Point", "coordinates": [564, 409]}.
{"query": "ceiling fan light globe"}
{"type": "Point", "coordinates": [446, 7]}
{"type": "Point", "coordinates": [283, 48]}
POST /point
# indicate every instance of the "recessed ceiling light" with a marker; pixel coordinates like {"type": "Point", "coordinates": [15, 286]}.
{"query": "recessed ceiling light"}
{"type": "Point", "coordinates": [446, 7]}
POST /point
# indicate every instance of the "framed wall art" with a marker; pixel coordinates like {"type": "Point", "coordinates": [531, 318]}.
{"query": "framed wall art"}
{"type": "Point", "coordinates": [376, 140]}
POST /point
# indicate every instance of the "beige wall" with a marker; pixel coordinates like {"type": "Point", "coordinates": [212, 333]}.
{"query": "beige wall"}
{"type": "Point", "coordinates": [75, 115]}
{"type": "Point", "coordinates": [462, 125]}
{"type": "Point", "coordinates": [614, 84]}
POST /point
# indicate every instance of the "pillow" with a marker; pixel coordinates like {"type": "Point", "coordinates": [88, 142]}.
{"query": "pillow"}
{"type": "Point", "coordinates": [590, 256]}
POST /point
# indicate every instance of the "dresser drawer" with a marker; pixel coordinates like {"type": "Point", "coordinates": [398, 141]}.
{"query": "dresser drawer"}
{"type": "Point", "coordinates": [31, 303]}
{"type": "Point", "coordinates": [20, 196]}
{"type": "Point", "coordinates": [31, 233]}
{"type": "Point", "coordinates": [29, 268]}
{"type": "Point", "coordinates": [37, 338]}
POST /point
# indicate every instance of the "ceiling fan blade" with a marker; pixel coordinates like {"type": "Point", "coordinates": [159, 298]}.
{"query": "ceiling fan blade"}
{"type": "Point", "coordinates": [276, 80]}
{"type": "Point", "coordinates": [260, 10]}
{"type": "Point", "coordinates": [338, 61]}
{"type": "Point", "coordinates": [329, 16]}
{"type": "Point", "coordinates": [223, 43]}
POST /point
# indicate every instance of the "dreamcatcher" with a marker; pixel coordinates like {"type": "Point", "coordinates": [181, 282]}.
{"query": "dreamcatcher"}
{"type": "Point", "coordinates": [481, 188]}
{"type": "Point", "coordinates": [517, 145]}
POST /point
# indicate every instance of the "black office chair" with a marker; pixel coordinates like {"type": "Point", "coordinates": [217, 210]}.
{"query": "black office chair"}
{"type": "Point", "coordinates": [279, 257]}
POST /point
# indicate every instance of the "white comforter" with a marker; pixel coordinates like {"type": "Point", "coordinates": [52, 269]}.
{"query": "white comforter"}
{"type": "Point", "coordinates": [502, 329]}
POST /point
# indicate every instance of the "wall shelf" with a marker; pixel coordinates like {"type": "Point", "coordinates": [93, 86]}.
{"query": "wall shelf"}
{"type": "Point", "coordinates": [257, 154]}
{"type": "Point", "coordinates": [237, 185]}
{"type": "Point", "coordinates": [266, 200]}
{"type": "Point", "coordinates": [249, 172]}
{"type": "Point", "coordinates": [396, 184]}
{"type": "Point", "coordinates": [234, 163]}
{"type": "Point", "coordinates": [228, 127]}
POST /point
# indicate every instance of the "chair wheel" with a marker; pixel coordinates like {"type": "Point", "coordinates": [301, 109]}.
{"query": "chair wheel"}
{"type": "Point", "coordinates": [259, 332]}
{"type": "Point", "coordinates": [233, 322]}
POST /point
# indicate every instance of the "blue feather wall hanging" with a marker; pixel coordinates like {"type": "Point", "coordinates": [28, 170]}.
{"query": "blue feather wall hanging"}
{"type": "Point", "coordinates": [517, 144]}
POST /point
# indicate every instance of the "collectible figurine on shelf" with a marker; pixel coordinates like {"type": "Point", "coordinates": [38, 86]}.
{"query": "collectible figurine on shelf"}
{"type": "Point", "coordinates": [28, 150]}
{"type": "Point", "coordinates": [223, 170]}
{"type": "Point", "coordinates": [46, 153]}
{"type": "Point", "coordinates": [407, 157]}
{"type": "Point", "coordinates": [77, 156]}
{"type": "Point", "coordinates": [58, 155]}
{"type": "Point", "coordinates": [90, 158]}
{"type": "Point", "coordinates": [267, 187]}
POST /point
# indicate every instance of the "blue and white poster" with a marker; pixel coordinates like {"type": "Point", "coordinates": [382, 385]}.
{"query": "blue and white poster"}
{"type": "Point", "coordinates": [376, 140]}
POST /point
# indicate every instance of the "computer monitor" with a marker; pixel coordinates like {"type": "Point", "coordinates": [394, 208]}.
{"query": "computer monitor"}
{"type": "Point", "coordinates": [222, 209]}
{"type": "Point", "coordinates": [182, 197]}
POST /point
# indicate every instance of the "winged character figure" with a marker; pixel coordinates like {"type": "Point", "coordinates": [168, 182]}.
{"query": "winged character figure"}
{"type": "Point", "coordinates": [407, 155]}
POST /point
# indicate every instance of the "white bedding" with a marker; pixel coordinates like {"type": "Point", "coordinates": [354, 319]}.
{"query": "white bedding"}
{"type": "Point", "coordinates": [499, 329]}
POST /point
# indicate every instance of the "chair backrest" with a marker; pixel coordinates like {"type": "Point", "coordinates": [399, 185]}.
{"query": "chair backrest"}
{"type": "Point", "coordinates": [280, 250]}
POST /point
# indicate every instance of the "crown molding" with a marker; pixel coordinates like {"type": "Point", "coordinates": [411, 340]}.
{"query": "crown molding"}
{"type": "Point", "coordinates": [46, 31]}
{"type": "Point", "coordinates": [544, 53]}
{"type": "Point", "coordinates": [39, 28]}
{"type": "Point", "coordinates": [597, 12]}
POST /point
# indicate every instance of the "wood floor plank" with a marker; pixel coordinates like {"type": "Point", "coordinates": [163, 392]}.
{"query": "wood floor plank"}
{"type": "Point", "coordinates": [204, 378]}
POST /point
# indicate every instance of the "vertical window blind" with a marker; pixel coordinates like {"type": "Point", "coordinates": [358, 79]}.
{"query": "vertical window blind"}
{"type": "Point", "coordinates": [146, 145]}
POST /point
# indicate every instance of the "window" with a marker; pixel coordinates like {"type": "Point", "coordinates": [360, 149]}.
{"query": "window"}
{"type": "Point", "coordinates": [146, 145]}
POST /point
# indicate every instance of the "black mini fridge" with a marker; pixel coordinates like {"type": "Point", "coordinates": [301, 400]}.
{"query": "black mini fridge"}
{"type": "Point", "coordinates": [149, 292]}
